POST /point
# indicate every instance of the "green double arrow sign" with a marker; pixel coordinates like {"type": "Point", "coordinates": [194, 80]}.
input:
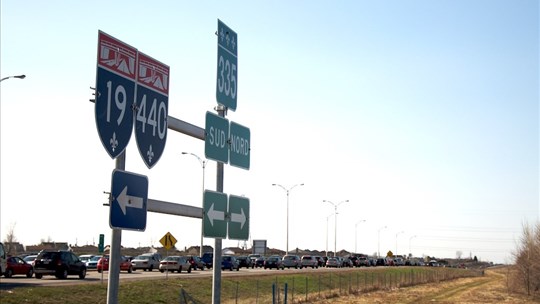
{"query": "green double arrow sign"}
{"type": "Point", "coordinates": [221, 213]}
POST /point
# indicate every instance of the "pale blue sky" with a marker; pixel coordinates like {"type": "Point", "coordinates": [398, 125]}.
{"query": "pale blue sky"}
{"type": "Point", "coordinates": [423, 114]}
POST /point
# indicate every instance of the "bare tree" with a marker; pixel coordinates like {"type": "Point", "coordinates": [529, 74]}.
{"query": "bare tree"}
{"type": "Point", "coordinates": [10, 239]}
{"type": "Point", "coordinates": [459, 253]}
{"type": "Point", "coordinates": [527, 258]}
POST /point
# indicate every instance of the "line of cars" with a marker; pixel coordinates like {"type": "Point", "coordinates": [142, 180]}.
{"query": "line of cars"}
{"type": "Point", "coordinates": [61, 263]}
{"type": "Point", "coordinates": [57, 263]}
{"type": "Point", "coordinates": [315, 261]}
{"type": "Point", "coordinates": [289, 261]}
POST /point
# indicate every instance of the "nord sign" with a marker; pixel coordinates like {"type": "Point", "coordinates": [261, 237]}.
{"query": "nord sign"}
{"type": "Point", "coordinates": [240, 137]}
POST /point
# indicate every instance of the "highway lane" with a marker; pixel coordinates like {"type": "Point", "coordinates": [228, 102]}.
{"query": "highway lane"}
{"type": "Point", "coordinates": [95, 277]}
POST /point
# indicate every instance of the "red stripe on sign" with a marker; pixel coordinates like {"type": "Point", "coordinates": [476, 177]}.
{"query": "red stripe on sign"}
{"type": "Point", "coordinates": [117, 56]}
{"type": "Point", "coordinates": [153, 74]}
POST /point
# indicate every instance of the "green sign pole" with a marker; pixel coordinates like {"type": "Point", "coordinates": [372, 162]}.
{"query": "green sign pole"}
{"type": "Point", "coordinates": [101, 246]}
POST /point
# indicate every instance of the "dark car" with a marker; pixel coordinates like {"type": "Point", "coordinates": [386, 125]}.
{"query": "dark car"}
{"type": "Point", "coordinates": [245, 261]}
{"type": "Point", "coordinates": [362, 262]}
{"type": "Point", "coordinates": [274, 262]}
{"type": "Point", "coordinates": [381, 262]}
{"type": "Point", "coordinates": [196, 262]}
{"type": "Point", "coordinates": [259, 262]}
{"type": "Point", "coordinates": [320, 261]}
{"type": "Point", "coordinates": [208, 259]}
{"type": "Point", "coordinates": [16, 265]}
{"type": "Point", "coordinates": [229, 262]}
{"type": "Point", "coordinates": [59, 263]}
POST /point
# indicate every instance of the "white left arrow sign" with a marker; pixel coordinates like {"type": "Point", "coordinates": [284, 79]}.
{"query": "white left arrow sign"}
{"type": "Point", "coordinates": [239, 218]}
{"type": "Point", "coordinates": [215, 215]}
{"type": "Point", "coordinates": [125, 201]}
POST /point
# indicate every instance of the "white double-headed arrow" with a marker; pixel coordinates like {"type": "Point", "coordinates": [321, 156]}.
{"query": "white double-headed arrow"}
{"type": "Point", "coordinates": [239, 218]}
{"type": "Point", "coordinates": [125, 201]}
{"type": "Point", "coordinates": [214, 215]}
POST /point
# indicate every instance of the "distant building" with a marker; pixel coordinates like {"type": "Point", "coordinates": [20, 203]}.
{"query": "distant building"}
{"type": "Point", "coordinates": [48, 246]}
{"type": "Point", "coordinates": [14, 248]}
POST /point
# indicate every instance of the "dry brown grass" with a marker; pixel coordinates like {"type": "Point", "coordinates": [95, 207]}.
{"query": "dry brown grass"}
{"type": "Point", "coordinates": [491, 288]}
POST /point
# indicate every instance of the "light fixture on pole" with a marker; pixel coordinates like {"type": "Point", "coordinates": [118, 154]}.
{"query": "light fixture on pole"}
{"type": "Point", "coordinates": [17, 76]}
{"type": "Point", "coordinates": [410, 239]}
{"type": "Point", "coordinates": [396, 240]}
{"type": "Point", "coordinates": [356, 234]}
{"type": "Point", "coordinates": [203, 165]}
{"type": "Point", "coordinates": [326, 252]}
{"type": "Point", "coordinates": [379, 242]}
{"type": "Point", "coordinates": [288, 191]}
{"type": "Point", "coordinates": [335, 221]}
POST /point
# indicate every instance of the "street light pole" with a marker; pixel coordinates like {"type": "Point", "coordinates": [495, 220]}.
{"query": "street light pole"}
{"type": "Point", "coordinates": [17, 76]}
{"type": "Point", "coordinates": [287, 191]}
{"type": "Point", "coordinates": [396, 240]}
{"type": "Point", "coordinates": [203, 164]}
{"type": "Point", "coordinates": [379, 242]}
{"type": "Point", "coordinates": [335, 221]}
{"type": "Point", "coordinates": [356, 235]}
{"type": "Point", "coordinates": [326, 252]}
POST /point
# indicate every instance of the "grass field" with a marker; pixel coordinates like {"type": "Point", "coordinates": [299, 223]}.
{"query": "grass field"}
{"type": "Point", "coordinates": [491, 288]}
{"type": "Point", "coordinates": [347, 286]}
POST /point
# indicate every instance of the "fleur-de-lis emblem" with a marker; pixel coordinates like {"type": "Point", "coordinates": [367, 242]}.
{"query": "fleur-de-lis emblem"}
{"type": "Point", "coordinates": [150, 154]}
{"type": "Point", "coordinates": [114, 141]}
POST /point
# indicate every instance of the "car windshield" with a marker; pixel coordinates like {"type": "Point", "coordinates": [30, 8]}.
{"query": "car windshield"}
{"type": "Point", "coordinates": [172, 258]}
{"type": "Point", "coordinates": [30, 258]}
{"type": "Point", "coordinates": [142, 257]}
{"type": "Point", "coordinates": [48, 255]}
{"type": "Point", "coordinates": [96, 258]}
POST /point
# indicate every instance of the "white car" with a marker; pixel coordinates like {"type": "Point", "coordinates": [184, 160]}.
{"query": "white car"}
{"type": "Point", "coordinates": [30, 259]}
{"type": "Point", "coordinates": [146, 261]}
{"type": "Point", "coordinates": [175, 263]}
{"type": "Point", "coordinates": [92, 262]}
{"type": "Point", "coordinates": [85, 257]}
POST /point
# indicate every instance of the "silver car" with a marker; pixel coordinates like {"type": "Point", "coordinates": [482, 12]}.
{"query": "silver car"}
{"type": "Point", "coordinates": [291, 260]}
{"type": "Point", "coordinates": [309, 261]}
{"type": "Point", "coordinates": [92, 262]}
{"type": "Point", "coordinates": [146, 261]}
{"type": "Point", "coordinates": [175, 263]}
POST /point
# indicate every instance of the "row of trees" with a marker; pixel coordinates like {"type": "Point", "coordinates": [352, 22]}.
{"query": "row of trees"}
{"type": "Point", "coordinates": [526, 275]}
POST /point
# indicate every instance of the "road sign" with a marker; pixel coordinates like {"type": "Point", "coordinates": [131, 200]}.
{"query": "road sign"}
{"type": "Point", "coordinates": [216, 144]}
{"type": "Point", "coordinates": [239, 218]}
{"type": "Point", "coordinates": [214, 216]}
{"type": "Point", "coordinates": [151, 108]}
{"type": "Point", "coordinates": [240, 137]}
{"type": "Point", "coordinates": [168, 241]}
{"type": "Point", "coordinates": [227, 66]}
{"type": "Point", "coordinates": [129, 196]}
{"type": "Point", "coordinates": [101, 245]}
{"type": "Point", "coordinates": [115, 93]}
